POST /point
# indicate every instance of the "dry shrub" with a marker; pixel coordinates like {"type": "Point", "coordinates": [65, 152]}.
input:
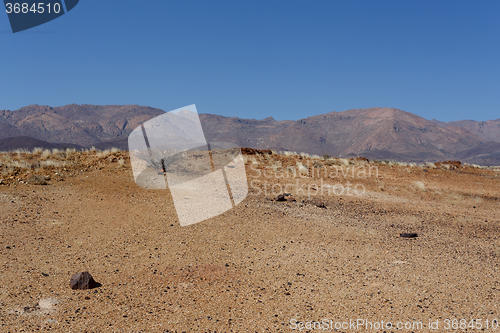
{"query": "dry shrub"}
{"type": "Point", "coordinates": [21, 165]}
{"type": "Point", "coordinates": [45, 154]}
{"type": "Point", "coordinates": [8, 171]}
{"type": "Point", "coordinates": [317, 164]}
{"type": "Point", "coordinates": [420, 185]}
{"type": "Point", "coordinates": [302, 169]}
{"type": "Point", "coordinates": [52, 164]}
{"type": "Point", "coordinates": [103, 154]}
{"type": "Point", "coordinates": [430, 165]}
{"type": "Point", "coordinates": [70, 151]}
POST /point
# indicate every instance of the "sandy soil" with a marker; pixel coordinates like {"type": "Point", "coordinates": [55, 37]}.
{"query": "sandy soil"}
{"type": "Point", "coordinates": [263, 266]}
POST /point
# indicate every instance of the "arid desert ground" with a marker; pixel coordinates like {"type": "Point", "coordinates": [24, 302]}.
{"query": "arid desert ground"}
{"type": "Point", "coordinates": [332, 256]}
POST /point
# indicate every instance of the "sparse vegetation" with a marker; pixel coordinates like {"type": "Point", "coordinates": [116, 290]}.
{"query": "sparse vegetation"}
{"type": "Point", "coordinates": [23, 164]}
{"type": "Point", "coordinates": [45, 154]}
{"type": "Point", "coordinates": [420, 185]}
{"type": "Point", "coordinates": [103, 154]}
{"type": "Point", "coordinates": [302, 169]}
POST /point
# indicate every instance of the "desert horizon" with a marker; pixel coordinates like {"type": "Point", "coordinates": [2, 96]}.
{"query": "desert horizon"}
{"type": "Point", "coordinates": [374, 133]}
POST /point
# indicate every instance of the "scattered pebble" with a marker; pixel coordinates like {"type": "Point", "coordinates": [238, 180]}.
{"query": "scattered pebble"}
{"type": "Point", "coordinates": [408, 235]}
{"type": "Point", "coordinates": [82, 281]}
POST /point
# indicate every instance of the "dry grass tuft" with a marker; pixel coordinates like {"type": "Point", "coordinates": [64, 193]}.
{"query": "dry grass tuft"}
{"type": "Point", "coordinates": [52, 164]}
{"type": "Point", "coordinates": [302, 169]}
{"type": "Point", "coordinates": [45, 154]}
{"type": "Point", "coordinates": [103, 154]}
{"type": "Point", "coordinates": [420, 185]}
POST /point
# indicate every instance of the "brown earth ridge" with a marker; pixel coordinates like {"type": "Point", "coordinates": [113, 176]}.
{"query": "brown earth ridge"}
{"type": "Point", "coordinates": [375, 133]}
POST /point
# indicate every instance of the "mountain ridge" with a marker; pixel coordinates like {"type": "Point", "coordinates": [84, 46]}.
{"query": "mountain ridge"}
{"type": "Point", "coordinates": [374, 132]}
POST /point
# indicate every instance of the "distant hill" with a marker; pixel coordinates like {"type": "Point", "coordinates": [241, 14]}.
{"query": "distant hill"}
{"type": "Point", "coordinates": [84, 125]}
{"type": "Point", "coordinates": [487, 154]}
{"type": "Point", "coordinates": [371, 132]}
{"type": "Point", "coordinates": [488, 131]}
{"type": "Point", "coordinates": [376, 133]}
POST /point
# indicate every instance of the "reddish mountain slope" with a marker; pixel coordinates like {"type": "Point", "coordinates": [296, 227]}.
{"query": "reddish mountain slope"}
{"type": "Point", "coordinates": [373, 132]}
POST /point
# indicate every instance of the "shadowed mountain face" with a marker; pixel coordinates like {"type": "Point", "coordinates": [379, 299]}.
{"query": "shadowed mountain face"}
{"type": "Point", "coordinates": [27, 143]}
{"type": "Point", "coordinates": [377, 133]}
{"type": "Point", "coordinates": [84, 125]}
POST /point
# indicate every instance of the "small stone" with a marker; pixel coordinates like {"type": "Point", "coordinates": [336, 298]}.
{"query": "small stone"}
{"type": "Point", "coordinates": [408, 235]}
{"type": "Point", "coordinates": [280, 197]}
{"type": "Point", "coordinates": [291, 199]}
{"type": "Point", "coordinates": [319, 204]}
{"type": "Point", "coordinates": [82, 281]}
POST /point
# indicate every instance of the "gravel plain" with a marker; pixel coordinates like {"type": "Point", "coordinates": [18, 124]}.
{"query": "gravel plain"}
{"type": "Point", "coordinates": [264, 266]}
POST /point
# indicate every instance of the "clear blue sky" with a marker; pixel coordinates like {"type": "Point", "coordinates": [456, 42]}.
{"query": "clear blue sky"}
{"type": "Point", "coordinates": [253, 59]}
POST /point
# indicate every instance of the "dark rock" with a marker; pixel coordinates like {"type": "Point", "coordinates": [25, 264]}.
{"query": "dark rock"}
{"type": "Point", "coordinates": [319, 204]}
{"type": "Point", "coordinates": [83, 281]}
{"type": "Point", "coordinates": [408, 235]}
{"type": "Point", "coordinates": [280, 197]}
{"type": "Point", "coordinates": [252, 151]}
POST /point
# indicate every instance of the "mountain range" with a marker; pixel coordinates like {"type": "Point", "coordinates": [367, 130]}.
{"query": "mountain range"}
{"type": "Point", "coordinates": [375, 133]}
